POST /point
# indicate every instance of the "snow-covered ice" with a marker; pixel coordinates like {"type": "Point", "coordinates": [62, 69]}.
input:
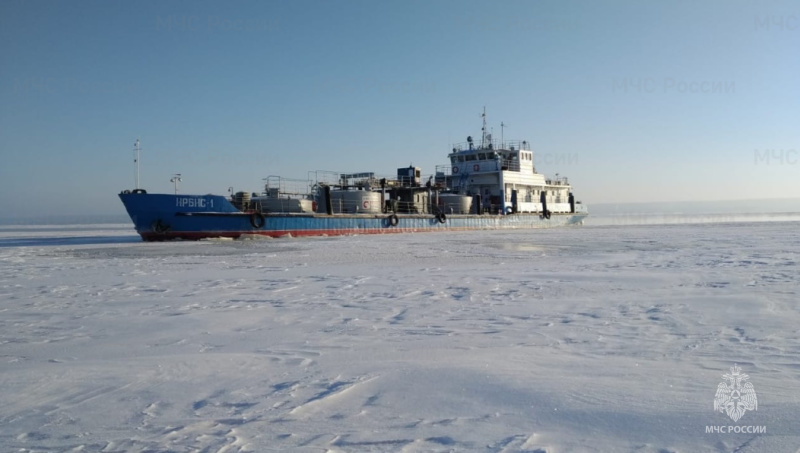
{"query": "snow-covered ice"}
{"type": "Point", "coordinates": [596, 338]}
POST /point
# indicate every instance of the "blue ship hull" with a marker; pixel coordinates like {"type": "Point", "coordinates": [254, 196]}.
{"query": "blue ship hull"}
{"type": "Point", "coordinates": [159, 217]}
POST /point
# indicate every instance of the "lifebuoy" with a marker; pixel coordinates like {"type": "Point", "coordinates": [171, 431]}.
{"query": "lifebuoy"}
{"type": "Point", "coordinates": [365, 204]}
{"type": "Point", "coordinates": [257, 220]}
{"type": "Point", "coordinates": [393, 220]}
{"type": "Point", "coordinates": [455, 170]}
{"type": "Point", "coordinates": [476, 167]}
{"type": "Point", "coordinates": [441, 217]}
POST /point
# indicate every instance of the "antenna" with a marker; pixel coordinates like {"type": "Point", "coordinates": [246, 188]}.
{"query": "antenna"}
{"type": "Point", "coordinates": [502, 142]}
{"type": "Point", "coordinates": [136, 162]}
{"type": "Point", "coordinates": [176, 178]}
{"type": "Point", "coordinates": [483, 129]}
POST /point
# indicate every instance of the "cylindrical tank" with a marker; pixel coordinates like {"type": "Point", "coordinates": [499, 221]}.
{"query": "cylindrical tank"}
{"type": "Point", "coordinates": [241, 200]}
{"type": "Point", "coordinates": [269, 204]}
{"type": "Point", "coordinates": [352, 202]}
{"type": "Point", "coordinates": [453, 203]}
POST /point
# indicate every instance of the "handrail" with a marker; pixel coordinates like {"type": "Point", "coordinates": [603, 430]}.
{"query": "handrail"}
{"type": "Point", "coordinates": [506, 145]}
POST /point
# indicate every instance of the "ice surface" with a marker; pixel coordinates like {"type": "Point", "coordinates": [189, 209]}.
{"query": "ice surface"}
{"type": "Point", "coordinates": [596, 338]}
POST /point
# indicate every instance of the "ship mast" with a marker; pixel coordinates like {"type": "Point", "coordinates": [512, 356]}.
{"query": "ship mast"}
{"type": "Point", "coordinates": [483, 129]}
{"type": "Point", "coordinates": [176, 178]}
{"type": "Point", "coordinates": [136, 162]}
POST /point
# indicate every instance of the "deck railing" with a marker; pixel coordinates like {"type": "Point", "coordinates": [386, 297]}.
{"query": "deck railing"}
{"type": "Point", "coordinates": [493, 145]}
{"type": "Point", "coordinates": [276, 186]}
{"type": "Point", "coordinates": [562, 181]}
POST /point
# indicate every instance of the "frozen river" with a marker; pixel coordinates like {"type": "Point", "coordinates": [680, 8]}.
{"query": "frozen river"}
{"type": "Point", "coordinates": [595, 338]}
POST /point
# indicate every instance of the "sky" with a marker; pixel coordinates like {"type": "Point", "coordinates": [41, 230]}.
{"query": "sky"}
{"type": "Point", "coordinates": [633, 101]}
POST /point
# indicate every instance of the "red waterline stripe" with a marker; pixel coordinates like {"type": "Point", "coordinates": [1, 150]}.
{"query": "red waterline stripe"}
{"type": "Point", "coordinates": [194, 235]}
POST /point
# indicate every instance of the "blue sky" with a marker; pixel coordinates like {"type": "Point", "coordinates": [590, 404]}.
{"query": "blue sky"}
{"type": "Point", "coordinates": [634, 101]}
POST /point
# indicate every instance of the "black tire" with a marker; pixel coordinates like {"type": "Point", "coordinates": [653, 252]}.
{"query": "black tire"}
{"type": "Point", "coordinates": [257, 220]}
{"type": "Point", "coordinates": [138, 191]}
{"type": "Point", "coordinates": [547, 214]}
{"type": "Point", "coordinates": [393, 220]}
{"type": "Point", "coordinates": [159, 227]}
{"type": "Point", "coordinates": [441, 217]}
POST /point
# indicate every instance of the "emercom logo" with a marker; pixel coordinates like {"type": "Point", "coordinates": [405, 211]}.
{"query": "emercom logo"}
{"type": "Point", "coordinates": [735, 396]}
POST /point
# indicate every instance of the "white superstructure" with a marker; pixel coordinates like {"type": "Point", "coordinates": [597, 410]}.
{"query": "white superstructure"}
{"type": "Point", "coordinates": [504, 177]}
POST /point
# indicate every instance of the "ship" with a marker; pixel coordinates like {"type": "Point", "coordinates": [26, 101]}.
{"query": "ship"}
{"type": "Point", "coordinates": [487, 184]}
